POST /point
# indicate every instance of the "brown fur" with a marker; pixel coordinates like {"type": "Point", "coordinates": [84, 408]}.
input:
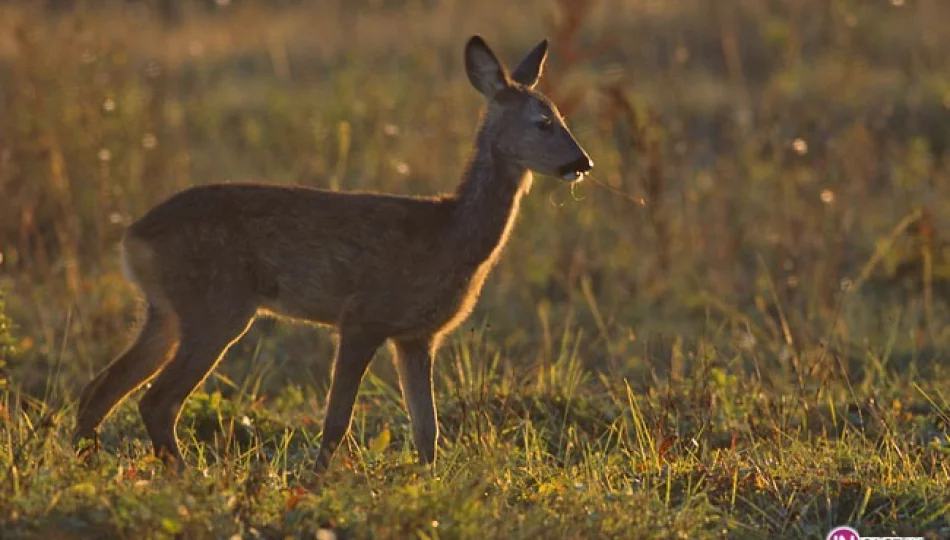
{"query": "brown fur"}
{"type": "Point", "coordinates": [377, 267]}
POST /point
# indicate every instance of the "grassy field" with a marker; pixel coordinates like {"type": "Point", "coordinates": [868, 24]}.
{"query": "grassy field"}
{"type": "Point", "coordinates": [737, 327]}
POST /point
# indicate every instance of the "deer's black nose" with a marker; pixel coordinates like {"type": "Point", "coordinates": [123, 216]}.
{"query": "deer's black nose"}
{"type": "Point", "coordinates": [581, 165]}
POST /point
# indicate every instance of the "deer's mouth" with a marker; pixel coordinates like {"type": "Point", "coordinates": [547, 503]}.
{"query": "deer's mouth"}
{"type": "Point", "coordinates": [576, 169]}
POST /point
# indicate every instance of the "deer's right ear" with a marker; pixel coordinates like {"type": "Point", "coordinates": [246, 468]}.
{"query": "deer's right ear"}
{"type": "Point", "coordinates": [484, 70]}
{"type": "Point", "coordinates": [529, 70]}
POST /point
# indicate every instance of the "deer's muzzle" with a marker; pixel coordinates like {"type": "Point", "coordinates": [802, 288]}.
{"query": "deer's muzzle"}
{"type": "Point", "coordinates": [576, 169]}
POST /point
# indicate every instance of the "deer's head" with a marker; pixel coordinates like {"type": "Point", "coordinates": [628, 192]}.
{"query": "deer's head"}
{"type": "Point", "coordinates": [524, 125]}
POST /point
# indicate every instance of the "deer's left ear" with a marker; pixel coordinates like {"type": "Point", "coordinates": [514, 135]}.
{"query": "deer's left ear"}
{"type": "Point", "coordinates": [529, 70]}
{"type": "Point", "coordinates": [484, 70]}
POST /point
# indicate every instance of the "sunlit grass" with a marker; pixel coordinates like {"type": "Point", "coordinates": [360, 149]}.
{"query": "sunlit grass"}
{"type": "Point", "coordinates": [601, 458]}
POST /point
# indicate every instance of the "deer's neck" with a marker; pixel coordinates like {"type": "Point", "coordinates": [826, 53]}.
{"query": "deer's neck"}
{"type": "Point", "coordinates": [487, 203]}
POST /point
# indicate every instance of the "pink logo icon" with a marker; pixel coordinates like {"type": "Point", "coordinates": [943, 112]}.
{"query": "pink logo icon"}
{"type": "Point", "coordinates": [843, 533]}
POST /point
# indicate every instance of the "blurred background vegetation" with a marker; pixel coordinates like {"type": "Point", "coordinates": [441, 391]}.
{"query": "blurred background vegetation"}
{"type": "Point", "coordinates": [771, 180]}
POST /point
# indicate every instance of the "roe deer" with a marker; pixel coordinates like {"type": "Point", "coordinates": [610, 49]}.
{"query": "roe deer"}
{"type": "Point", "coordinates": [377, 267]}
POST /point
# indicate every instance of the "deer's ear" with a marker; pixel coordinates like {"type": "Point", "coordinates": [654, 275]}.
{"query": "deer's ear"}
{"type": "Point", "coordinates": [529, 70]}
{"type": "Point", "coordinates": [484, 70]}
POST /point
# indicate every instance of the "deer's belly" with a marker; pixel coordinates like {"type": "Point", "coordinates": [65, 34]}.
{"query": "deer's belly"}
{"type": "Point", "coordinates": [397, 307]}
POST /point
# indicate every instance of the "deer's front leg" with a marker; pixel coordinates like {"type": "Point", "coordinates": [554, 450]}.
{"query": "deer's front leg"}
{"type": "Point", "coordinates": [354, 353]}
{"type": "Point", "coordinates": [414, 363]}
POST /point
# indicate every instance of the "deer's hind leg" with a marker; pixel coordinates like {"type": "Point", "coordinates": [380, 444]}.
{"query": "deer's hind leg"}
{"type": "Point", "coordinates": [208, 328]}
{"type": "Point", "coordinates": [129, 371]}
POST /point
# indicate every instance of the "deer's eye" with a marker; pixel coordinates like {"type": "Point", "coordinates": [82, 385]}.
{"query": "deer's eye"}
{"type": "Point", "coordinates": [545, 124]}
